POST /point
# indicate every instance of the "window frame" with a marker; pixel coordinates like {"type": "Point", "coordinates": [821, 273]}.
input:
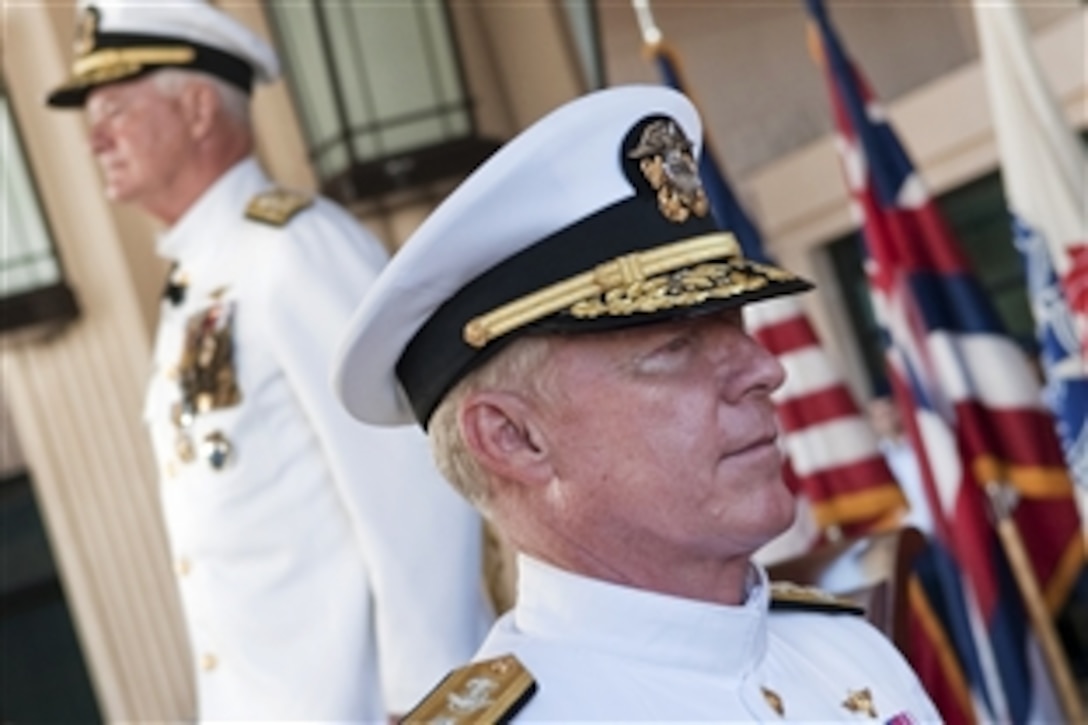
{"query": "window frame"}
{"type": "Point", "coordinates": [847, 254]}
{"type": "Point", "coordinates": [389, 172]}
{"type": "Point", "coordinates": [46, 308]}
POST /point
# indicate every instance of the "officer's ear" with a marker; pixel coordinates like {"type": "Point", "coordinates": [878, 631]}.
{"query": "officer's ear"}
{"type": "Point", "coordinates": [501, 431]}
{"type": "Point", "coordinates": [200, 104]}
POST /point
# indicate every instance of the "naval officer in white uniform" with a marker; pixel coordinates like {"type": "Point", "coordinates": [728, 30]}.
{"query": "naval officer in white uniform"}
{"type": "Point", "coordinates": [567, 325]}
{"type": "Point", "coordinates": [326, 570]}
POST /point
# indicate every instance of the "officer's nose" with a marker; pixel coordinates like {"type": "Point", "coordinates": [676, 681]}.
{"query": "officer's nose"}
{"type": "Point", "coordinates": [100, 138]}
{"type": "Point", "coordinates": [745, 364]}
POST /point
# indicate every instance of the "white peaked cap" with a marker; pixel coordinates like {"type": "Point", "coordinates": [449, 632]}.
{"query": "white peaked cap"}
{"type": "Point", "coordinates": [118, 40]}
{"type": "Point", "coordinates": [593, 218]}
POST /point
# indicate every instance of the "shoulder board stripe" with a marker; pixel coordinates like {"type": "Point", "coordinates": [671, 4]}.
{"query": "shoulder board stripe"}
{"type": "Point", "coordinates": [277, 206]}
{"type": "Point", "coordinates": [790, 597]}
{"type": "Point", "coordinates": [481, 693]}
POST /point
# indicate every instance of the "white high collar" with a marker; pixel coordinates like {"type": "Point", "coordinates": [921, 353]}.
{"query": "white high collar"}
{"type": "Point", "coordinates": [558, 605]}
{"type": "Point", "coordinates": [221, 205]}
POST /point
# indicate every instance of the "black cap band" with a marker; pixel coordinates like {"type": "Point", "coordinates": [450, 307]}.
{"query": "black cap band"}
{"type": "Point", "coordinates": [218, 63]}
{"type": "Point", "coordinates": [439, 355]}
{"type": "Point", "coordinates": [213, 61]}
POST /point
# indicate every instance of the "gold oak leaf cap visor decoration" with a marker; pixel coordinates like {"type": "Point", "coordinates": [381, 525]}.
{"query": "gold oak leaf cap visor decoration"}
{"type": "Point", "coordinates": [120, 40]}
{"type": "Point", "coordinates": [591, 219]}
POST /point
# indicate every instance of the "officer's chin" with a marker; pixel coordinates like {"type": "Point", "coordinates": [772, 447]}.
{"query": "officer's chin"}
{"type": "Point", "coordinates": [117, 193]}
{"type": "Point", "coordinates": [113, 184]}
{"type": "Point", "coordinates": [785, 506]}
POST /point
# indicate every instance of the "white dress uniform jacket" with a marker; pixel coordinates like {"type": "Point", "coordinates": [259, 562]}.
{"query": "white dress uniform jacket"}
{"type": "Point", "coordinates": [606, 653]}
{"type": "Point", "coordinates": [327, 572]}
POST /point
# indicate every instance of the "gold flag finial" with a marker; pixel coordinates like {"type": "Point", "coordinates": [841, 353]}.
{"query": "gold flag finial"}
{"type": "Point", "coordinates": [651, 34]}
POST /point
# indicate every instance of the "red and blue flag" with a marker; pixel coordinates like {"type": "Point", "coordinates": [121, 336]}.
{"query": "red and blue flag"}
{"type": "Point", "coordinates": [976, 416]}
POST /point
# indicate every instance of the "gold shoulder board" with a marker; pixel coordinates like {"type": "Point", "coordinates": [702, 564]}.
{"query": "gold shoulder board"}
{"type": "Point", "coordinates": [790, 597]}
{"type": "Point", "coordinates": [277, 206]}
{"type": "Point", "coordinates": [491, 691]}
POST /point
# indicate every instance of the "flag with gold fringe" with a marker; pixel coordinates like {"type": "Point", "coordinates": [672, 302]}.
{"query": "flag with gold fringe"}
{"type": "Point", "coordinates": [978, 426]}
{"type": "Point", "coordinates": [1045, 174]}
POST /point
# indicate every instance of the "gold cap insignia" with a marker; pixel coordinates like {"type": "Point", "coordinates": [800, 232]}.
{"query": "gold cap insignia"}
{"type": "Point", "coordinates": [860, 701]}
{"type": "Point", "coordinates": [86, 32]}
{"type": "Point", "coordinates": [665, 159]}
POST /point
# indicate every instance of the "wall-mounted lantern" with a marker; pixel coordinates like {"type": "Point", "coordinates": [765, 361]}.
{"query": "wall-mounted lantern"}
{"type": "Point", "coordinates": [34, 296]}
{"type": "Point", "coordinates": [381, 92]}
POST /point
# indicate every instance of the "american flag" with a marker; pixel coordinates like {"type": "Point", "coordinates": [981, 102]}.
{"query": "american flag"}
{"type": "Point", "coordinates": [1045, 173]}
{"type": "Point", "coordinates": [834, 463]}
{"type": "Point", "coordinates": [976, 411]}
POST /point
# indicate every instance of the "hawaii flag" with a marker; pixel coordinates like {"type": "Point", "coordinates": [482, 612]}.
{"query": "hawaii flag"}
{"type": "Point", "coordinates": [834, 463]}
{"type": "Point", "coordinates": [1044, 169]}
{"type": "Point", "coordinates": [977, 421]}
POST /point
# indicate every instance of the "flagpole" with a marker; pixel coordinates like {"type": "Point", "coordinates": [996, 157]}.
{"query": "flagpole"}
{"type": "Point", "coordinates": [651, 34]}
{"type": "Point", "coordinates": [1001, 505]}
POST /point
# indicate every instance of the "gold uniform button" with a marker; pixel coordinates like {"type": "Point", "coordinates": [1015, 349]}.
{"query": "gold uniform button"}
{"type": "Point", "coordinates": [209, 662]}
{"type": "Point", "coordinates": [183, 566]}
{"type": "Point", "coordinates": [170, 470]}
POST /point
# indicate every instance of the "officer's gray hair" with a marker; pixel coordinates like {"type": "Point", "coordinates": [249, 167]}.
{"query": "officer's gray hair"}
{"type": "Point", "coordinates": [234, 101]}
{"type": "Point", "coordinates": [521, 366]}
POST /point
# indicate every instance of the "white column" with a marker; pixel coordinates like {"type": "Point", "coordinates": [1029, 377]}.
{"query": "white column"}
{"type": "Point", "coordinates": [76, 402]}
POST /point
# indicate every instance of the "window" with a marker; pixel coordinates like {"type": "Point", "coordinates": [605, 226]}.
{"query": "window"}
{"type": "Point", "coordinates": [847, 260]}
{"type": "Point", "coordinates": [380, 89]}
{"type": "Point", "coordinates": [43, 677]}
{"type": "Point", "coordinates": [979, 219]}
{"type": "Point", "coordinates": [32, 287]}
{"type": "Point", "coordinates": [585, 31]}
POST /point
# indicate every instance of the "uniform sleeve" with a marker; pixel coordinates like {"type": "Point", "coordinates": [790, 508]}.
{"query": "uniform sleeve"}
{"type": "Point", "coordinates": [420, 541]}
